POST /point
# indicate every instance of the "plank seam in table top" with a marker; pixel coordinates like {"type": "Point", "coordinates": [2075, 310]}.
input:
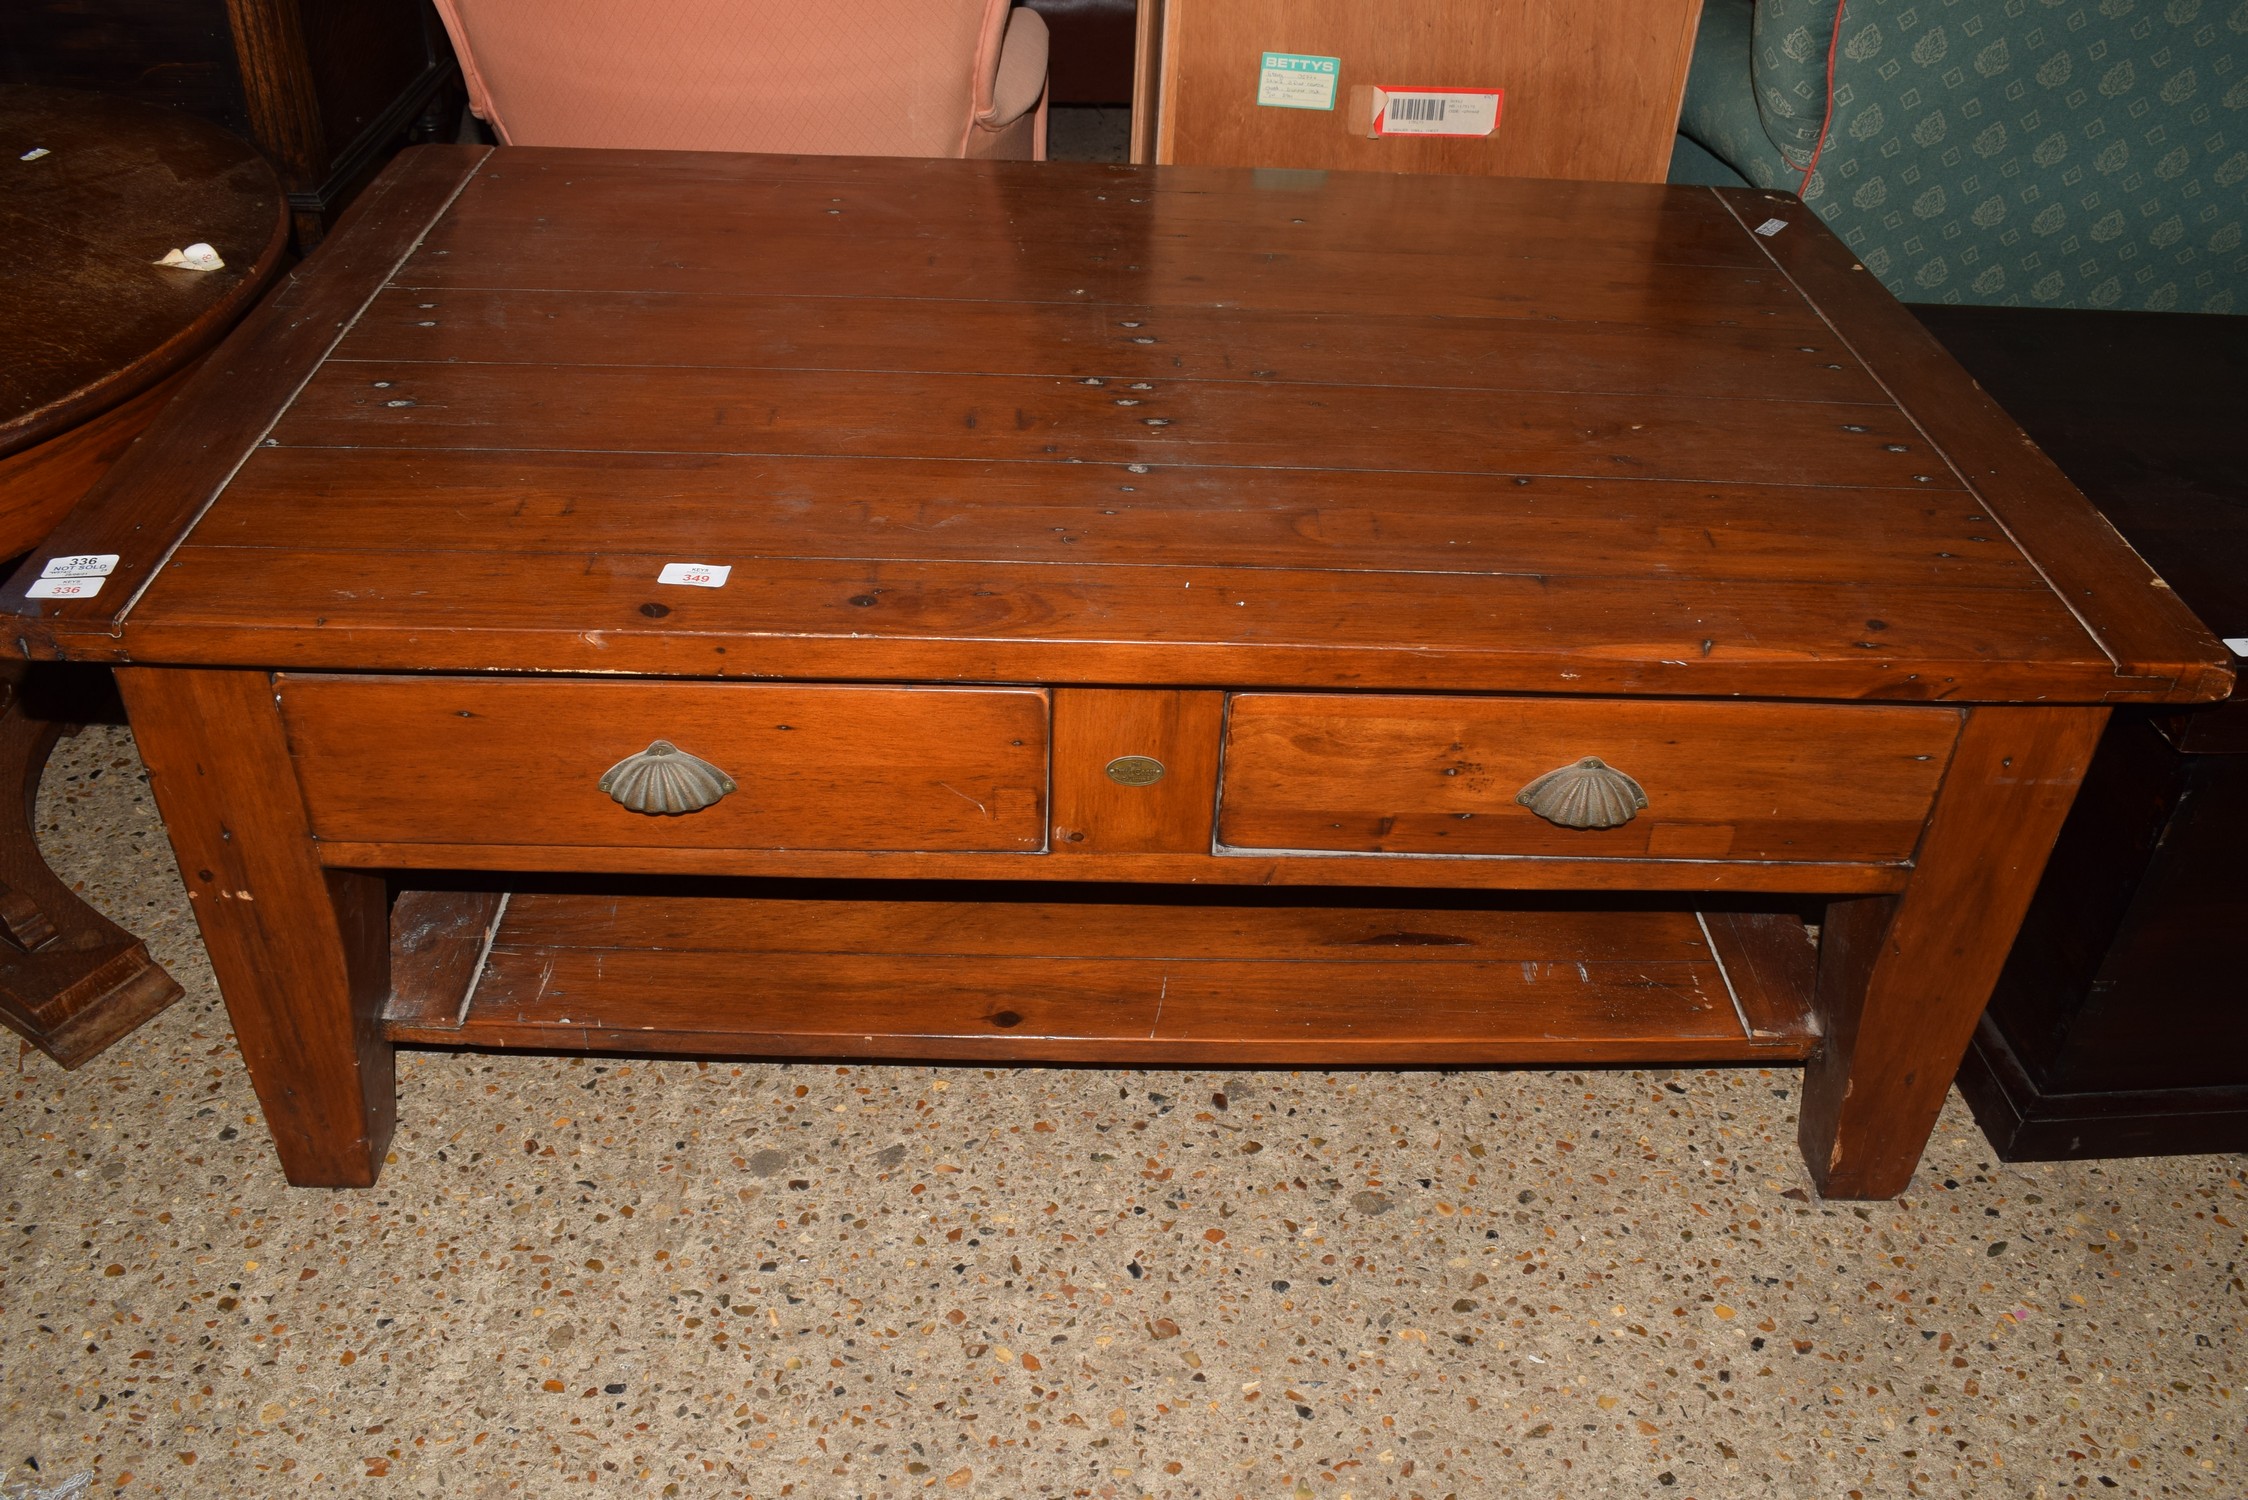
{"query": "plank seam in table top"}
{"type": "Point", "coordinates": [1081, 565]}
{"type": "Point", "coordinates": [1918, 426]}
{"type": "Point", "coordinates": [1056, 462]}
{"type": "Point", "coordinates": [180, 539]}
{"type": "Point", "coordinates": [1063, 375]}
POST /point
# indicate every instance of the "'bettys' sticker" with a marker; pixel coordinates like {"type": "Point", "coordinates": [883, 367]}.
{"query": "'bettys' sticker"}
{"type": "Point", "coordinates": [1290, 80]}
{"type": "Point", "coordinates": [1472, 112]}
{"type": "Point", "coordinates": [63, 588]}
{"type": "Point", "coordinates": [696, 575]}
{"type": "Point", "coordinates": [81, 565]}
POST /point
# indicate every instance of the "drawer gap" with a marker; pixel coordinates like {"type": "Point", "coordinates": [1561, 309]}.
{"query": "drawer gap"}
{"type": "Point", "coordinates": [1032, 978]}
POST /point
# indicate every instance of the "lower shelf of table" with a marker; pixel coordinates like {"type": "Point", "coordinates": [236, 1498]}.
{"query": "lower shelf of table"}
{"type": "Point", "coordinates": [1212, 979]}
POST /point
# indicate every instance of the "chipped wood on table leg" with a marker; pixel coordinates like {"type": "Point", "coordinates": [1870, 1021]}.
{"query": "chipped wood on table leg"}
{"type": "Point", "coordinates": [1903, 978]}
{"type": "Point", "coordinates": [301, 953]}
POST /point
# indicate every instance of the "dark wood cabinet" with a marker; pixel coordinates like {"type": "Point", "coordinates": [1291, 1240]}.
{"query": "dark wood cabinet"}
{"type": "Point", "coordinates": [2120, 1023]}
{"type": "Point", "coordinates": [328, 89]}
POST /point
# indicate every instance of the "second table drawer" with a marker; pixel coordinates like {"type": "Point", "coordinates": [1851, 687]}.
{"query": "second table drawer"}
{"type": "Point", "coordinates": [520, 761]}
{"type": "Point", "coordinates": [1427, 775]}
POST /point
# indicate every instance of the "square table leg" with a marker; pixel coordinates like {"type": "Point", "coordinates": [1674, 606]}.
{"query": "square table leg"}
{"type": "Point", "coordinates": [1903, 978]}
{"type": "Point", "coordinates": [302, 953]}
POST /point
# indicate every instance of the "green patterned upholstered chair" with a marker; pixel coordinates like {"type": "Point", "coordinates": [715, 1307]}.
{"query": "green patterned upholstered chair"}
{"type": "Point", "coordinates": [2055, 153]}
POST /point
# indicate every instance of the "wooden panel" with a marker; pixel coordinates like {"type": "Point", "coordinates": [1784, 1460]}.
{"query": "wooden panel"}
{"type": "Point", "coordinates": [1061, 419]}
{"type": "Point", "coordinates": [1223, 868]}
{"type": "Point", "coordinates": [2134, 615]}
{"type": "Point", "coordinates": [1439, 776]}
{"type": "Point", "coordinates": [1018, 225]}
{"type": "Point", "coordinates": [519, 762]}
{"type": "Point", "coordinates": [1153, 981]}
{"type": "Point", "coordinates": [1094, 812]}
{"type": "Point", "coordinates": [438, 940]}
{"type": "Point", "coordinates": [1592, 89]}
{"type": "Point", "coordinates": [1174, 624]}
{"type": "Point", "coordinates": [1771, 962]}
{"type": "Point", "coordinates": [1147, 77]}
{"type": "Point", "coordinates": [1080, 516]}
{"type": "Point", "coordinates": [715, 330]}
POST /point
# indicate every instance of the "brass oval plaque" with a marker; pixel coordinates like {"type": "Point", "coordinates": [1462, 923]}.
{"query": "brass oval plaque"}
{"type": "Point", "coordinates": [1135, 770]}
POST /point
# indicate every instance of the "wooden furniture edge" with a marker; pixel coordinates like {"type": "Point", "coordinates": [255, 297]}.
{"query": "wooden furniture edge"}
{"type": "Point", "coordinates": [152, 498]}
{"type": "Point", "coordinates": [2162, 652]}
{"type": "Point", "coordinates": [1490, 872]}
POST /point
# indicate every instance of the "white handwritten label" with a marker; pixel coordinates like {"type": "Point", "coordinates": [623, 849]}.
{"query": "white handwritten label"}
{"type": "Point", "coordinates": [35, 153]}
{"type": "Point", "coordinates": [2237, 645]}
{"type": "Point", "coordinates": [81, 565]}
{"type": "Point", "coordinates": [696, 575]}
{"type": "Point", "coordinates": [63, 588]}
{"type": "Point", "coordinates": [1771, 227]}
{"type": "Point", "coordinates": [1465, 112]}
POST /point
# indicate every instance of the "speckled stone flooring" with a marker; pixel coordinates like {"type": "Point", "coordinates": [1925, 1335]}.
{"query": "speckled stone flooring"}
{"type": "Point", "coordinates": [684, 1280]}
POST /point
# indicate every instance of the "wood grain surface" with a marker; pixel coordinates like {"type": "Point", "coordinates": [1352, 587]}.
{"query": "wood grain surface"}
{"type": "Point", "coordinates": [1903, 979]}
{"type": "Point", "coordinates": [1087, 424]}
{"type": "Point", "coordinates": [91, 319]}
{"type": "Point", "coordinates": [1439, 776]}
{"type": "Point", "coordinates": [1097, 813]}
{"type": "Point", "coordinates": [520, 762]}
{"type": "Point", "coordinates": [1096, 981]}
{"type": "Point", "coordinates": [302, 954]}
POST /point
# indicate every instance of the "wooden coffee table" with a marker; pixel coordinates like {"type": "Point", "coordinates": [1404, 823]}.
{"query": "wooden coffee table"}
{"type": "Point", "coordinates": [1155, 597]}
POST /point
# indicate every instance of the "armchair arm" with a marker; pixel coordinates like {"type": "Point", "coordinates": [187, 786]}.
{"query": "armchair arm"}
{"type": "Point", "coordinates": [1020, 76]}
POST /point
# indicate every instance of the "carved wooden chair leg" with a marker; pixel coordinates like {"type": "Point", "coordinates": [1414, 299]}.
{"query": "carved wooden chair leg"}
{"type": "Point", "coordinates": [71, 980]}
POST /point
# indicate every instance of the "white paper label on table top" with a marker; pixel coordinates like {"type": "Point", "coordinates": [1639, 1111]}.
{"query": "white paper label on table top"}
{"type": "Point", "coordinates": [1468, 112]}
{"type": "Point", "coordinates": [1771, 227]}
{"type": "Point", "coordinates": [81, 565]}
{"type": "Point", "coordinates": [1294, 80]}
{"type": "Point", "coordinates": [696, 575]}
{"type": "Point", "coordinates": [2237, 644]}
{"type": "Point", "coordinates": [63, 588]}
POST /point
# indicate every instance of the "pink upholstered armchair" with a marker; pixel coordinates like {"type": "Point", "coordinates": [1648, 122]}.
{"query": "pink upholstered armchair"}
{"type": "Point", "coordinates": [825, 77]}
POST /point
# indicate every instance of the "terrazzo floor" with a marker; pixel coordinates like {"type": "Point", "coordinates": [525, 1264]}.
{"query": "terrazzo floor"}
{"type": "Point", "coordinates": [682, 1279]}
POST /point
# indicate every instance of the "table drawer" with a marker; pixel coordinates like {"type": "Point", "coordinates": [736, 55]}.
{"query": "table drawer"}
{"type": "Point", "coordinates": [522, 761]}
{"type": "Point", "coordinates": [1425, 775]}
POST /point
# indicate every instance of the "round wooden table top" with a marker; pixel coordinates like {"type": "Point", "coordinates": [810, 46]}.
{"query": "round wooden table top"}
{"type": "Point", "coordinates": [88, 318]}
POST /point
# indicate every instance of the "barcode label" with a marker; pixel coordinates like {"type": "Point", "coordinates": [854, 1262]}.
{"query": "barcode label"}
{"type": "Point", "coordinates": [1468, 112]}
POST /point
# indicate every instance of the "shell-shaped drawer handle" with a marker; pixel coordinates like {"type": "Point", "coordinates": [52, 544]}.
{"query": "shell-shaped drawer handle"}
{"type": "Point", "coordinates": [665, 781]}
{"type": "Point", "coordinates": [1589, 794]}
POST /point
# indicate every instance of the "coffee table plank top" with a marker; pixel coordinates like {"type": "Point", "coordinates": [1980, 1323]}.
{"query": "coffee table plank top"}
{"type": "Point", "coordinates": [1095, 424]}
